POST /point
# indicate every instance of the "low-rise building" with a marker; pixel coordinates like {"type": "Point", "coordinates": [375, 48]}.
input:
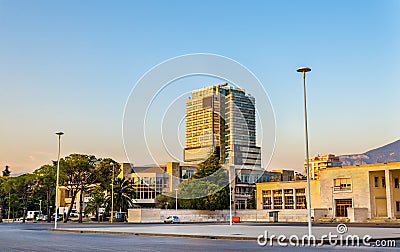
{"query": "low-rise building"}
{"type": "Point", "coordinates": [354, 192]}
{"type": "Point", "coordinates": [246, 179]}
{"type": "Point", "coordinates": [150, 181]}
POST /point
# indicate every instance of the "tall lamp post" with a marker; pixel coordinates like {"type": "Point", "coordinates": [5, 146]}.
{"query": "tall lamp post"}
{"type": "Point", "coordinates": [112, 194]}
{"type": "Point", "coordinates": [255, 200]}
{"type": "Point", "coordinates": [58, 175]}
{"type": "Point", "coordinates": [8, 212]}
{"type": "Point", "coordinates": [176, 200]}
{"type": "Point", "coordinates": [230, 196]}
{"type": "Point", "coordinates": [304, 70]}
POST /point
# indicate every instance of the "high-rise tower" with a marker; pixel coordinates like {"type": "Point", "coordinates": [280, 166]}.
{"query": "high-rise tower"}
{"type": "Point", "coordinates": [221, 119]}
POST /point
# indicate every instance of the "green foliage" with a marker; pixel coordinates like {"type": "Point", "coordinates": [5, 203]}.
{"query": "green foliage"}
{"type": "Point", "coordinates": [208, 190]}
{"type": "Point", "coordinates": [123, 194]}
{"type": "Point", "coordinates": [104, 170]}
{"type": "Point", "coordinates": [78, 172]}
{"type": "Point", "coordinates": [208, 167]}
{"type": "Point", "coordinates": [164, 201]}
{"type": "Point", "coordinates": [96, 201]}
{"type": "Point", "coordinates": [251, 203]}
{"type": "Point", "coordinates": [24, 186]}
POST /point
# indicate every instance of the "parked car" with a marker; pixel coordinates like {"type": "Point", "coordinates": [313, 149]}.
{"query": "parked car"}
{"type": "Point", "coordinates": [171, 219]}
{"type": "Point", "coordinates": [32, 215]}
{"type": "Point", "coordinates": [120, 217]}
{"type": "Point", "coordinates": [59, 217]}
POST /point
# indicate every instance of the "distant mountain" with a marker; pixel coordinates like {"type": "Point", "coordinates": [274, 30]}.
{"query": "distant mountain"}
{"type": "Point", "coordinates": [384, 154]}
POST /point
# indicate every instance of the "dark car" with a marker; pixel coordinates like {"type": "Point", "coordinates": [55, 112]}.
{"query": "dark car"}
{"type": "Point", "coordinates": [171, 219]}
{"type": "Point", "coordinates": [120, 217]}
{"type": "Point", "coordinates": [59, 217]}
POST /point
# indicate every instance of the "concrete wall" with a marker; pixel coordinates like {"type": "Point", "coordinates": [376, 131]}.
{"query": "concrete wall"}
{"type": "Point", "coordinates": [357, 214]}
{"type": "Point", "coordinates": [318, 213]}
{"type": "Point", "coordinates": [197, 215]}
{"type": "Point", "coordinates": [158, 215]}
{"type": "Point", "coordinates": [144, 215]}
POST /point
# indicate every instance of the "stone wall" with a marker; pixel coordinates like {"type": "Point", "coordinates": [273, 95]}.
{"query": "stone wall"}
{"type": "Point", "coordinates": [357, 214]}
{"type": "Point", "coordinates": [144, 215]}
{"type": "Point", "coordinates": [153, 215]}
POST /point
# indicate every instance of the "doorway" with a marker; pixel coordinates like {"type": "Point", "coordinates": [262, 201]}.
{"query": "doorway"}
{"type": "Point", "coordinates": [381, 207]}
{"type": "Point", "coordinates": [342, 205]}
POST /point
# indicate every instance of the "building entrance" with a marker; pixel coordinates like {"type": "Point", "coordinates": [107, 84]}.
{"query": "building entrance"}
{"type": "Point", "coordinates": [341, 207]}
{"type": "Point", "coordinates": [381, 208]}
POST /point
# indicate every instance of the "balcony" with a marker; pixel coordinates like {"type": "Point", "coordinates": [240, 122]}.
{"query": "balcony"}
{"type": "Point", "coordinates": [342, 188]}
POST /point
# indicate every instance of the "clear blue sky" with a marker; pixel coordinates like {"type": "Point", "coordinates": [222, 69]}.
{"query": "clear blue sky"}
{"type": "Point", "coordinates": [70, 65]}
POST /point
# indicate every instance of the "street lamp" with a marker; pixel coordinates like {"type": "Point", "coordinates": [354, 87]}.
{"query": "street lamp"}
{"type": "Point", "coordinates": [304, 70]}
{"type": "Point", "coordinates": [176, 200]}
{"type": "Point", "coordinates": [112, 193]}
{"type": "Point", "coordinates": [255, 200]}
{"type": "Point", "coordinates": [58, 176]}
{"type": "Point", "coordinates": [230, 196]}
{"type": "Point", "coordinates": [9, 207]}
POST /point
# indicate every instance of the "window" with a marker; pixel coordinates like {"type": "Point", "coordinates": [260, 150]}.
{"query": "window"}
{"type": "Point", "coordinates": [300, 202]}
{"type": "Point", "coordinates": [277, 202]}
{"type": "Point", "coordinates": [289, 202]}
{"type": "Point", "coordinates": [342, 184]}
{"type": "Point", "coordinates": [396, 183]}
{"type": "Point", "coordinates": [300, 191]}
{"type": "Point", "coordinates": [376, 181]}
{"type": "Point", "coordinates": [383, 182]}
{"type": "Point", "coordinates": [397, 206]}
{"type": "Point", "coordinates": [266, 196]}
{"type": "Point", "coordinates": [278, 199]}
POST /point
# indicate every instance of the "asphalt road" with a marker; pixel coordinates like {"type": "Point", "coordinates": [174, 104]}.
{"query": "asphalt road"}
{"type": "Point", "coordinates": [37, 237]}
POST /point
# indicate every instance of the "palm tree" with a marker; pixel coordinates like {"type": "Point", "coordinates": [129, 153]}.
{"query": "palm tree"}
{"type": "Point", "coordinates": [123, 194]}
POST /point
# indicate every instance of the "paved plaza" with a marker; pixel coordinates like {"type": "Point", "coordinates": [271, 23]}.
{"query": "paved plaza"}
{"type": "Point", "coordinates": [238, 231]}
{"type": "Point", "coordinates": [162, 237]}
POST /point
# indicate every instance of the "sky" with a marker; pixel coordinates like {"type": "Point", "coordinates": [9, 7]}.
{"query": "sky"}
{"type": "Point", "coordinates": [71, 66]}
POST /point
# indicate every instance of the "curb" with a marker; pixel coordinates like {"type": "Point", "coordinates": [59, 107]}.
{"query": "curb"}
{"type": "Point", "coordinates": [212, 237]}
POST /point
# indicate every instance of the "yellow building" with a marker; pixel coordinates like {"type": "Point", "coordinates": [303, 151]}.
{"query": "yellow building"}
{"type": "Point", "coordinates": [357, 193]}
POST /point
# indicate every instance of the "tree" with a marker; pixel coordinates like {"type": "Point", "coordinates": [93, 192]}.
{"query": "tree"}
{"type": "Point", "coordinates": [251, 203]}
{"type": "Point", "coordinates": [208, 190]}
{"type": "Point", "coordinates": [6, 172]}
{"type": "Point", "coordinates": [46, 183]}
{"type": "Point", "coordinates": [207, 167]}
{"type": "Point", "coordinates": [164, 201]}
{"type": "Point", "coordinates": [81, 172]}
{"type": "Point", "coordinates": [123, 194]}
{"type": "Point", "coordinates": [2, 196]}
{"type": "Point", "coordinates": [24, 186]}
{"type": "Point", "coordinates": [96, 201]}
{"type": "Point", "coordinates": [3, 191]}
{"type": "Point", "coordinates": [78, 174]}
{"type": "Point", "coordinates": [104, 170]}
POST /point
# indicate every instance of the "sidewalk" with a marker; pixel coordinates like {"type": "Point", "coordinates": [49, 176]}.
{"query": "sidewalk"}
{"type": "Point", "coordinates": [234, 232]}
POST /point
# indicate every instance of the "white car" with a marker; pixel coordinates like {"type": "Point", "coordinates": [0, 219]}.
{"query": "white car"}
{"type": "Point", "coordinates": [171, 219]}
